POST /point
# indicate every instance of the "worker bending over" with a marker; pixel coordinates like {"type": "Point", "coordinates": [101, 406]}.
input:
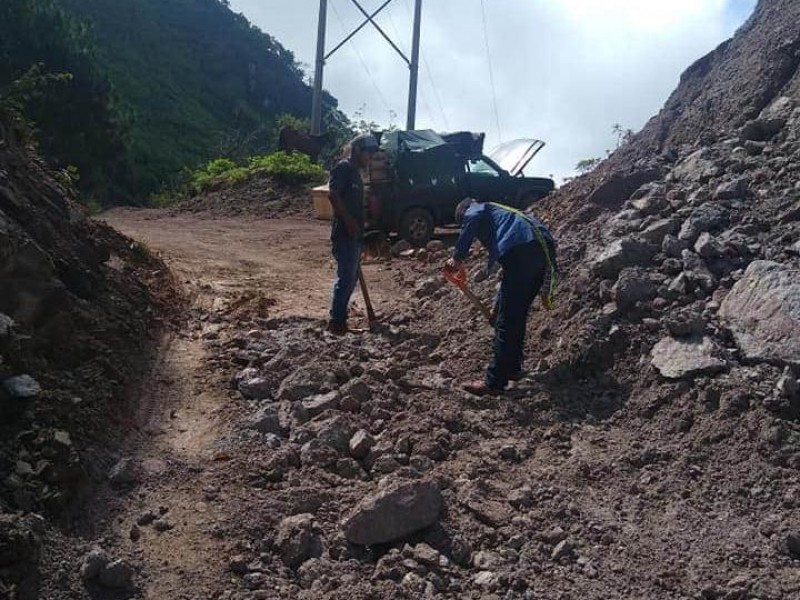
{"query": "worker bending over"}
{"type": "Point", "coordinates": [527, 252]}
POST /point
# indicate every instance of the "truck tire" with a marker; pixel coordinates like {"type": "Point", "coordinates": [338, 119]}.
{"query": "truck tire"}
{"type": "Point", "coordinates": [416, 226]}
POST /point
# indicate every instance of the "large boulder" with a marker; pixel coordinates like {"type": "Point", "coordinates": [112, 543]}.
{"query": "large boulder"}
{"type": "Point", "coordinates": [627, 252]}
{"type": "Point", "coordinates": [763, 312]}
{"type": "Point", "coordinates": [619, 186]}
{"type": "Point", "coordinates": [394, 513]}
{"type": "Point", "coordinates": [677, 359]}
{"type": "Point", "coordinates": [297, 540]}
{"type": "Point", "coordinates": [633, 286]}
{"type": "Point", "coordinates": [706, 217]}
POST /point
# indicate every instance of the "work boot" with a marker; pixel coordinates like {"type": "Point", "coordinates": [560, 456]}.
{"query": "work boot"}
{"type": "Point", "coordinates": [337, 328]}
{"type": "Point", "coordinates": [479, 388]}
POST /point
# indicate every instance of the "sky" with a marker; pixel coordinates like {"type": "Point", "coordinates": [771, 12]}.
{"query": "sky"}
{"type": "Point", "coordinates": [564, 71]}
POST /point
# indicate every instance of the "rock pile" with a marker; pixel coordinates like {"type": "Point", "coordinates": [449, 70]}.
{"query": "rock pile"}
{"type": "Point", "coordinates": [78, 316]}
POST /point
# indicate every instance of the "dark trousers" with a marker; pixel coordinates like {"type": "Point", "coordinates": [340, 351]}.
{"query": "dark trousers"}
{"type": "Point", "coordinates": [523, 274]}
{"type": "Point", "coordinates": [347, 252]}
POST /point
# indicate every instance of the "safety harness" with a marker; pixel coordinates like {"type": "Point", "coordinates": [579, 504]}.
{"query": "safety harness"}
{"type": "Point", "coordinates": [548, 293]}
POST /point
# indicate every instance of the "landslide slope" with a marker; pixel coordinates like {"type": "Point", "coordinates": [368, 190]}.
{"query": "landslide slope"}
{"type": "Point", "coordinates": [652, 451]}
{"type": "Point", "coordinates": [78, 318]}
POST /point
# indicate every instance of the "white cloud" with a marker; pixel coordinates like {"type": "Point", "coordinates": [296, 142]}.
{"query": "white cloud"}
{"type": "Point", "coordinates": [565, 70]}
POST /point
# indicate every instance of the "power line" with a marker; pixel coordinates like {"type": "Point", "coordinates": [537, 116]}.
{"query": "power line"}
{"type": "Point", "coordinates": [363, 62]}
{"type": "Point", "coordinates": [491, 71]}
{"type": "Point", "coordinates": [425, 102]}
{"type": "Point", "coordinates": [428, 71]}
{"type": "Point", "coordinates": [436, 92]}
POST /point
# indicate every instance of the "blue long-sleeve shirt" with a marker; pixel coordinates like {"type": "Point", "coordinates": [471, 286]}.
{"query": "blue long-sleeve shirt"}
{"type": "Point", "coordinates": [498, 229]}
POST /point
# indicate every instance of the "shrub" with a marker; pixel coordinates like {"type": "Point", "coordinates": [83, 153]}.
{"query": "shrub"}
{"type": "Point", "coordinates": [289, 167]}
{"type": "Point", "coordinates": [213, 172]}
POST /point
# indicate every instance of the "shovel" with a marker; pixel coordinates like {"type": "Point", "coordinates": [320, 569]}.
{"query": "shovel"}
{"type": "Point", "coordinates": [459, 279]}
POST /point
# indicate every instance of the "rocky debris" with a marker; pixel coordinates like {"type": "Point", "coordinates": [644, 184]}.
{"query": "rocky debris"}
{"type": "Point", "coordinates": [304, 382]}
{"type": "Point", "coordinates": [620, 186]}
{"type": "Point", "coordinates": [163, 524]}
{"type": "Point", "coordinates": [788, 386]}
{"type": "Point", "coordinates": [117, 574]}
{"type": "Point", "coordinates": [266, 420]}
{"type": "Point", "coordinates": [708, 247]}
{"type": "Point", "coordinates": [400, 247]}
{"type": "Point", "coordinates": [296, 540]}
{"type": "Point", "coordinates": [564, 550]}
{"type": "Point", "coordinates": [792, 545]}
{"type": "Point", "coordinates": [356, 389]}
{"type": "Point", "coordinates": [394, 513]}
{"type": "Point", "coordinates": [763, 312]}
{"type": "Point", "coordinates": [93, 564]}
{"type": "Point", "coordinates": [253, 385]}
{"type": "Point", "coordinates": [761, 130]}
{"type": "Point", "coordinates": [97, 565]}
{"type": "Point", "coordinates": [124, 472]}
{"type": "Point", "coordinates": [316, 405]}
{"type": "Point", "coordinates": [673, 246]}
{"type": "Point", "coordinates": [427, 287]}
{"type": "Point", "coordinates": [632, 286]}
{"type": "Point", "coordinates": [521, 497]}
{"type": "Point", "coordinates": [707, 217]}
{"type": "Point", "coordinates": [146, 518]}
{"type": "Point", "coordinates": [733, 190]}
{"type": "Point", "coordinates": [657, 231]}
{"type": "Point", "coordinates": [685, 323]}
{"type": "Point", "coordinates": [23, 387]}
{"type": "Point", "coordinates": [676, 359]}
{"type": "Point", "coordinates": [361, 443]}
{"type": "Point", "coordinates": [696, 167]}
{"type": "Point", "coordinates": [649, 199]}
{"type": "Point", "coordinates": [626, 252]}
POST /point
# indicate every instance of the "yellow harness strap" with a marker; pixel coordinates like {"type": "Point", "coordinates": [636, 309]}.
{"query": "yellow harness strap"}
{"type": "Point", "coordinates": [548, 294]}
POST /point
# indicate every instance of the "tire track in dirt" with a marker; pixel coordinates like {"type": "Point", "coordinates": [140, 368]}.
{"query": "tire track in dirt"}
{"type": "Point", "coordinates": [283, 268]}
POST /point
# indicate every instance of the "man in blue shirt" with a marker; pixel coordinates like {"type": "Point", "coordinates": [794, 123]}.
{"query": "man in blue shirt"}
{"type": "Point", "coordinates": [527, 252]}
{"type": "Point", "coordinates": [347, 230]}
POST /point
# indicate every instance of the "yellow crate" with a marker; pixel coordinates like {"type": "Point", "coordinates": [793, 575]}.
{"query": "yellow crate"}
{"type": "Point", "coordinates": [322, 204]}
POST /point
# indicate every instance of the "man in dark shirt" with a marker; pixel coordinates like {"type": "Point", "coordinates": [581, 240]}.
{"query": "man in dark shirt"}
{"type": "Point", "coordinates": [525, 249]}
{"type": "Point", "coordinates": [347, 231]}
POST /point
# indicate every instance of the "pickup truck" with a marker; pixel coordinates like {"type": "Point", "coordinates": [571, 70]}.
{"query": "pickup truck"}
{"type": "Point", "coordinates": [415, 183]}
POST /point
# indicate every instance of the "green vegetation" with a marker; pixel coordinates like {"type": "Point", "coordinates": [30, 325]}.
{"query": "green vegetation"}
{"type": "Point", "coordinates": [133, 92]}
{"type": "Point", "coordinates": [49, 78]}
{"type": "Point", "coordinates": [288, 168]}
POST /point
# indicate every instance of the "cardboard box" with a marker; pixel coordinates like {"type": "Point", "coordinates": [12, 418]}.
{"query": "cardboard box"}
{"type": "Point", "coordinates": [322, 204]}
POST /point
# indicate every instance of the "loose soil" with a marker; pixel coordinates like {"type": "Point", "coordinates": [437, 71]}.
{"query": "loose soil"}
{"type": "Point", "coordinates": [658, 490]}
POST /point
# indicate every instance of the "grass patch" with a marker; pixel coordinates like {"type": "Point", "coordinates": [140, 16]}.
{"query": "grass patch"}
{"type": "Point", "coordinates": [285, 167]}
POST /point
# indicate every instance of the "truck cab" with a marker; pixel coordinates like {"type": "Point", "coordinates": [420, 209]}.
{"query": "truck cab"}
{"type": "Point", "coordinates": [415, 183]}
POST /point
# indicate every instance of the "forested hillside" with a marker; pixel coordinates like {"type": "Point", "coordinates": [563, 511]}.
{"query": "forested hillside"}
{"type": "Point", "coordinates": [156, 86]}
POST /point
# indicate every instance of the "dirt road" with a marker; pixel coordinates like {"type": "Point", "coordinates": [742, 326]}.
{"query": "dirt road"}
{"type": "Point", "coordinates": [277, 268]}
{"type": "Point", "coordinates": [223, 258]}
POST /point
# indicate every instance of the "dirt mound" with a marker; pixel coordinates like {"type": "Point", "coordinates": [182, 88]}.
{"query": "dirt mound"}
{"type": "Point", "coordinates": [652, 451]}
{"type": "Point", "coordinates": [78, 316]}
{"type": "Point", "coordinates": [260, 196]}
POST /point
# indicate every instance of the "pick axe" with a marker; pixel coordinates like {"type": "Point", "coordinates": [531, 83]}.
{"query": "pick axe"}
{"type": "Point", "coordinates": [459, 279]}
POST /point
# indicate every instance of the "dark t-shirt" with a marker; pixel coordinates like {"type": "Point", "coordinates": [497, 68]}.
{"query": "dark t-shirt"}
{"type": "Point", "coordinates": [346, 182]}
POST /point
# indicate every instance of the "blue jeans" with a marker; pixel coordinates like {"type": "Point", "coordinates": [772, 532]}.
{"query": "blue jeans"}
{"type": "Point", "coordinates": [523, 274]}
{"type": "Point", "coordinates": [347, 252]}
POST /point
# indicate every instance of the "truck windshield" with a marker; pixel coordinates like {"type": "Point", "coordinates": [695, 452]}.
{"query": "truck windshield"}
{"type": "Point", "coordinates": [481, 167]}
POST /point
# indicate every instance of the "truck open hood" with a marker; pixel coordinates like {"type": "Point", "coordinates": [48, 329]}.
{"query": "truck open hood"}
{"type": "Point", "coordinates": [515, 155]}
